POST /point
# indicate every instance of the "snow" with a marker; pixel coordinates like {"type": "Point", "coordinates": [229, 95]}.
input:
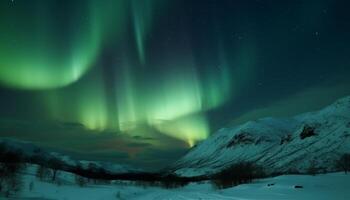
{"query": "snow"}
{"type": "Point", "coordinates": [264, 146]}
{"type": "Point", "coordinates": [333, 186]}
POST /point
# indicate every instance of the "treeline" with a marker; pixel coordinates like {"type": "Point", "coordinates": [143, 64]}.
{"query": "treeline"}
{"type": "Point", "coordinates": [13, 162]}
{"type": "Point", "coordinates": [239, 173]}
{"type": "Point", "coordinates": [165, 180]}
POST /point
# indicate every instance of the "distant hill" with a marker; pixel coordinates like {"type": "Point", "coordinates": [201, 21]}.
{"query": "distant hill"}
{"type": "Point", "coordinates": [38, 155]}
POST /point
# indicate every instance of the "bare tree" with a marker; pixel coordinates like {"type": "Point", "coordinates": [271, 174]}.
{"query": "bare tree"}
{"type": "Point", "coordinates": [239, 173]}
{"type": "Point", "coordinates": [312, 169]}
{"type": "Point", "coordinates": [81, 181]}
{"type": "Point", "coordinates": [55, 165]}
{"type": "Point", "coordinates": [43, 173]}
{"type": "Point", "coordinates": [344, 163]}
{"type": "Point", "coordinates": [10, 167]}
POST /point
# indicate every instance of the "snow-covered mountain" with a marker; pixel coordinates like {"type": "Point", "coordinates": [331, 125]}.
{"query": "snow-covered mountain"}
{"type": "Point", "coordinates": [314, 139]}
{"type": "Point", "coordinates": [32, 152]}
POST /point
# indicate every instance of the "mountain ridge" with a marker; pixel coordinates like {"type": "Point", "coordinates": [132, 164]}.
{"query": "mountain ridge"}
{"type": "Point", "coordinates": [30, 152]}
{"type": "Point", "coordinates": [313, 139]}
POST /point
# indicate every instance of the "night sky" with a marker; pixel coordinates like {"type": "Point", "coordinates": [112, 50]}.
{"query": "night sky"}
{"type": "Point", "coordinates": [140, 82]}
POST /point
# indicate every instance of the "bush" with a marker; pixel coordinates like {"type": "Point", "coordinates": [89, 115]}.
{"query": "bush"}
{"type": "Point", "coordinates": [169, 181]}
{"type": "Point", "coordinates": [344, 163]}
{"type": "Point", "coordinates": [243, 172]}
{"type": "Point", "coordinates": [10, 184]}
{"type": "Point", "coordinates": [292, 171]}
{"type": "Point", "coordinates": [101, 181]}
{"type": "Point", "coordinates": [81, 181]}
{"type": "Point", "coordinates": [172, 181]}
{"type": "Point", "coordinates": [312, 169]}
{"type": "Point", "coordinates": [55, 165]}
{"type": "Point", "coordinates": [31, 186]}
{"type": "Point", "coordinates": [43, 173]}
{"type": "Point", "coordinates": [10, 167]}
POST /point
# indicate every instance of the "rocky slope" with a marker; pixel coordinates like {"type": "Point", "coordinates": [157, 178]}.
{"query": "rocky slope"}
{"type": "Point", "coordinates": [314, 139]}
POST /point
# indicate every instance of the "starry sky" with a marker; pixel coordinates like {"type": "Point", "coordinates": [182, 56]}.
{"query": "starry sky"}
{"type": "Point", "coordinates": [141, 82]}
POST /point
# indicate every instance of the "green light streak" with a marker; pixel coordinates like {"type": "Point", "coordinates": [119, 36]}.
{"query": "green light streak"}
{"type": "Point", "coordinates": [191, 129]}
{"type": "Point", "coordinates": [128, 113]}
{"type": "Point", "coordinates": [139, 39]}
{"type": "Point", "coordinates": [92, 107]}
{"type": "Point", "coordinates": [40, 50]}
{"type": "Point", "coordinates": [142, 17]}
{"type": "Point", "coordinates": [173, 95]}
{"type": "Point", "coordinates": [85, 103]}
{"type": "Point", "coordinates": [178, 95]}
{"type": "Point", "coordinates": [172, 107]}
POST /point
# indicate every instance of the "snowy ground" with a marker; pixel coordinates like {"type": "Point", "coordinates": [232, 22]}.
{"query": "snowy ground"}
{"type": "Point", "coordinates": [335, 186]}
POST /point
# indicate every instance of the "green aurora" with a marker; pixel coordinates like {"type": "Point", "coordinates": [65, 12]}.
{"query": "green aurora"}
{"type": "Point", "coordinates": [60, 53]}
{"type": "Point", "coordinates": [35, 54]}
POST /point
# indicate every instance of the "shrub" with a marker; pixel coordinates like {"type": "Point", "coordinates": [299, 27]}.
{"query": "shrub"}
{"type": "Point", "coordinates": [102, 181]}
{"type": "Point", "coordinates": [173, 181]}
{"type": "Point", "coordinates": [344, 163]}
{"type": "Point", "coordinates": [312, 169]}
{"type": "Point", "coordinates": [81, 181]}
{"type": "Point", "coordinates": [43, 173]}
{"type": "Point", "coordinates": [11, 184]}
{"type": "Point", "coordinates": [31, 186]}
{"type": "Point", "coordinates": [10, 167]}
{"type": "Point", "coordinates": [292, 171]}
{"type": "Point", "coordinates": [243, 172]}
{"type": "Point", "coordinates": [118, 195]}
{"type": "Point", "coordinates": [55, 165]}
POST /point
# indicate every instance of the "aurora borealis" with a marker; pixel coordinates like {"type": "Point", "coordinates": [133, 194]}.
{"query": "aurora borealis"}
{"type": "Point", "coordinates": [146, 77]}
{"type": "Point", "coordinates": [61, 60]}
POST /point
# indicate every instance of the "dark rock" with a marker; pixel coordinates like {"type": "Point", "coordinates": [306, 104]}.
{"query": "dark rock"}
{"type": "Point", "coordinates": [308, 131]}
{"type": "Point", "coordinates": [286, 139]}
{"type": "Point", "coordinates": [242, 138]}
